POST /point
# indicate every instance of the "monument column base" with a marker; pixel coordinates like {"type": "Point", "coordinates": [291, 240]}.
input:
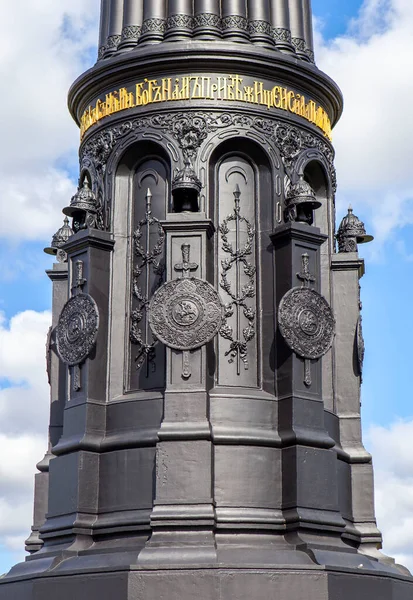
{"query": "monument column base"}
{"type": "Point", "coordinates": [219, 583]}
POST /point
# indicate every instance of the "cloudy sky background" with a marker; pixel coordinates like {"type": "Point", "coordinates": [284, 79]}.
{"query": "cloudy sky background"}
{"type": "Point", "coordinates": [367, 47]}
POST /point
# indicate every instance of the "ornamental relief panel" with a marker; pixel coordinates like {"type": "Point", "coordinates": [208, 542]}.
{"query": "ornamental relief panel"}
{"type": "Point", "coordinates": [237, 272]}
{"type": "Point", "coordinates": [150, 197]}
{"type": "Point", "coordinates": [191, 131]}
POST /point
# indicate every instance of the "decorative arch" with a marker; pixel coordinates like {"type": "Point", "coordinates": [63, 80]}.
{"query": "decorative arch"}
{"type": "Point", "coordinates": [141, 178]}
{"type": "Point", "coordinates": [242, 202]}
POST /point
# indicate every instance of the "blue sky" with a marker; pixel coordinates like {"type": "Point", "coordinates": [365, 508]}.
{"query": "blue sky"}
{"type": "Point", "coordinates": [356, 49]}
{"type": "Point", "coordinates": [335, 15]}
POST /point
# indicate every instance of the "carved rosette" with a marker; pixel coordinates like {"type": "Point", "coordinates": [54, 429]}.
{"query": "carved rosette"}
{"type": "Point", "coordinates": [185, 314]}
{"type": "Point", "coordinates": [306, 322]}
{"type": "Point", "coordinates": [77, 329]}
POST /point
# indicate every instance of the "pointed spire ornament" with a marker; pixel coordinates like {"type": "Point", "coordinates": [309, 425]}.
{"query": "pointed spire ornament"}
{"type": "Point", "coordinates": [351, 233]}
{"type": "Point", "coordinates": [300, 202]}
{"type": "Point", "coordinates": [185, 189]}
{"type": "Point", "coordinates": [58, 240]}
{"type": "Point", "coordinates": [83, 208]}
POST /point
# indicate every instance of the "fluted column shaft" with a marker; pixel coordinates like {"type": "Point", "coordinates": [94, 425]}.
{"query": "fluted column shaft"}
{"type": "Point", "coordinates": [154, 20]}
{"type": "Point", "coordinates": [308, 29]}
{"type": "Point", "coordinates": [132, 23]}
{"type": "Point", "coordinates": [280, 19]}
{"type": "Point", "coordinates": [297, 27]}
{"type": "Point", "coordinates": [259, 15]}
{"type": "Point", "coordinates": [234, 19]}
{"type": "Point", "coordinates": [180, 19]}
{"type": "Point", "coordinates": [103, 28]}
{"type": "Point", "coordinates": [207, 18]}
{"type": "Point", "coordinates": [114, 26]}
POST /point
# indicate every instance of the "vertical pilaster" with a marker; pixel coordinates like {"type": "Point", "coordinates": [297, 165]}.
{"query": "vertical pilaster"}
{"type": "Point", "coordinates": [259, 17]}
{"type": "Point", "coordinates": [57, 374]}
{"type": "Point", "coordinates": [280, 20]}
{"type": "Point", "coordinates": [347, 268]}
{"type": "Point", "coordinates": [183, 517]}
{"type": "Point", "coordinates": [207, 19]}
{"type": "Point", "coordinates": [115, 21]}
{"type": "Point", "coordinates": [74, 473]}
{"type": "Point", "coordinates": [154, 21]}
{"type": "Point", "coordinates": [297, 27]}
{"type": "Point", "coordinates": [180, 21]}
{"type": "Point", "coordinates": [132, 24]}
{"type": "Point", "coordinates": [234, 20]}
{"type": "Point", "coordinates": [309, 463]}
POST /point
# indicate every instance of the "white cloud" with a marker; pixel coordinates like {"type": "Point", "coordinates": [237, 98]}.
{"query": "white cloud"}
{"type": "Point", "coordinates": [24, 412]}
{"type": "Point", "coordinates": [393, 467]}
{"type": "Point", "coordinates": [43, 46]}
{"type": "Point", "coordinates": [374, 139]}
{"type": "Point", "coordinates": [24, 401]}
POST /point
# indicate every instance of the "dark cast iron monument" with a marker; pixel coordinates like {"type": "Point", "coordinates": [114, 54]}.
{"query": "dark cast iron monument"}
{"type": "Point", "coordinates": [206, 350]}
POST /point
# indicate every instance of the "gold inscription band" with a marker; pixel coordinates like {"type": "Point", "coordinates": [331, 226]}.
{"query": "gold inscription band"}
{"type": "Point", "coordinates": [226, 88]}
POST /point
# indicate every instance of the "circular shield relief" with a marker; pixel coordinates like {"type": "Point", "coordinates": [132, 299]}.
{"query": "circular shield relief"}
{"type": "Point", "coordinates": [185, 314]}
{"type": "Point", "coordinates": [77, 329]}
{"type": "Point", "coordinates": [306, 322]}
{"type": "Point", "coordinates": [360, 347]}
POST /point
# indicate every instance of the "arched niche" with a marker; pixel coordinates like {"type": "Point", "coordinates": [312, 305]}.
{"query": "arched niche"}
{"type": "Point", "coordinates": [315, 169]}
{"type": "Point", "coordinates": [141, 199]}
{"type": "Point", "coordinates": [242, 175]}
{"type": "Point", "coordinates": [317, 175]}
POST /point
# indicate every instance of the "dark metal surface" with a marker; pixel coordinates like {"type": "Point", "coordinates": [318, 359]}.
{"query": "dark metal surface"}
{"type": "Point", "coordinates": [206, 456]}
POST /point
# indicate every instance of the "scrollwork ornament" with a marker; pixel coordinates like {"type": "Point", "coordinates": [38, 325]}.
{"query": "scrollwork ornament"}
{"type": "Point", "coordinates": [191, 129]}
{"type": "Point", "coordinates": [148, 259]}
{"type": "Point", "coordinates": [77, 329]}
{"type": "Point", "coordinates": [240, 294]}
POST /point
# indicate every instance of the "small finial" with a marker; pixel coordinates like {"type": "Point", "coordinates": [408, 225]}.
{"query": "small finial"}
{"type": "Point", "coordinates": [148, 200]}
{"type": "Point", "coordinates": [237, 192]}
{"type": "Point", "coordinates": [185, 248]}
{"type": "Point", "coordinates": [351, 233]}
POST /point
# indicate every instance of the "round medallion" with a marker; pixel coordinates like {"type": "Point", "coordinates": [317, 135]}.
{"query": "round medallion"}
{"type": "Point", "coordinates": [77, 329]}
{"type": "Point", "coordinates": [185, 314]}
{"type": "Point", "coordinates": [306, 322]}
